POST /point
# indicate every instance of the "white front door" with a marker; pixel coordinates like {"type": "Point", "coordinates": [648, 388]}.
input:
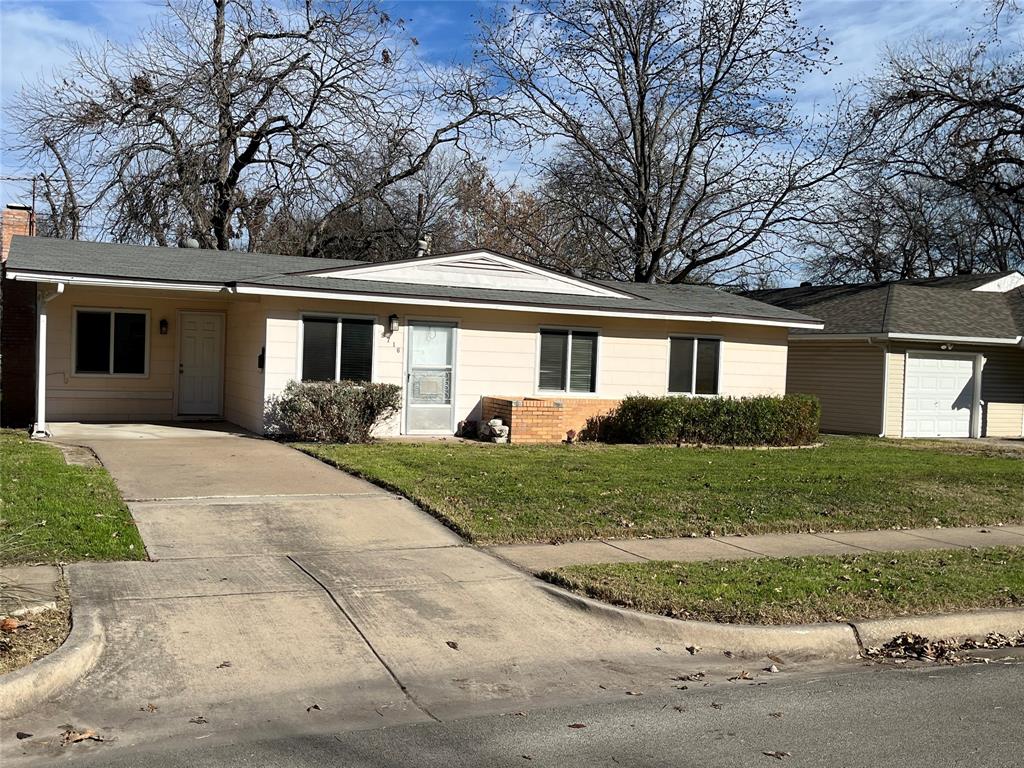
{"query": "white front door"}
{"type": "Point", "coordinates": [939, 396]}
{"type": "Point", "coordinates": [200, 363]}
{"type": "Point", "coordinates": [430, 378]}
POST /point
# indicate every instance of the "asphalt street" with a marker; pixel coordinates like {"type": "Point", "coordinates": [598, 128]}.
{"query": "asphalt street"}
{"type": "Point", "coordinates": [925, 715]}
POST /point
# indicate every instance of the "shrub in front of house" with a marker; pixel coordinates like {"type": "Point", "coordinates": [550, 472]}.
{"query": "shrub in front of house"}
{"type": "Point", "coordinates": [332, 411]}
{"type": "Point", "coordinates": [764, 420]}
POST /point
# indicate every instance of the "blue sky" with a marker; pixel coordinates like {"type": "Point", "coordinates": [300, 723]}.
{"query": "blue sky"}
{"type": "Point", "coordinates": [35, 36]}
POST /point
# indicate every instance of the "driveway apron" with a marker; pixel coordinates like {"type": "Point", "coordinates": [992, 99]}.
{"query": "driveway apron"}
{"type": "Point", "coordinates": [284, 596]}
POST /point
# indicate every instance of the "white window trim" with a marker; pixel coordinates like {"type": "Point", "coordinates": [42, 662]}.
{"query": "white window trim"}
{"type": "Point", "coordinates": [693, 365]}
{"type": "Point", "coordinates": [567, 392]}
{"type": "Point", "coordinates": [339, 320]}
{"type": "Point", "coordinates": [110, 353]}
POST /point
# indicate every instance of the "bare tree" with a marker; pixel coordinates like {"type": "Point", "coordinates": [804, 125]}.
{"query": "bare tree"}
{"type": "Point", "coordinates": [226, 112]}
{"type": "Point", "coordinates": [669, 126]}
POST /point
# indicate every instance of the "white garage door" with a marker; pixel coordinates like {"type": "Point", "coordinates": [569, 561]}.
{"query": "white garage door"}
{"type": "Point", "coordinates": [938, 397]}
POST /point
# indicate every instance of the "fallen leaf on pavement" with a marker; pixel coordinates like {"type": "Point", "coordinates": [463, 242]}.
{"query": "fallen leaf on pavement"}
{"type": "Point", "coordinates": [311, 707]}
{"type": "Point", "coordinates": [772, 669]}
{"type": "Point", "coordinates": [777, 754]}
{"type": "Point", "coordinates": [693, 649]}
{"type": "Point", "coordinates": [728, 654]}
{"type": "Point", "coordinates": [199, 720]}
{"type": "Point", "coordinates": [743, 675]}
{"type": "Point", "coordinates": [774, 714]}
{"type": "Point", "coordinates": [577, 725]}
{"type": "Point", "coordinates": [73, 736]}
{"type": "Point", "coordinates": [691, 678]}
{"type": "Point", "coordinates": [679, 708]}
{"type": "Point", "coordinates": [634, 693]}
{"type": "Point", "coordinates": [149, 708]}
{"type": "Point", "coordinates": [224, 665]}
{"type": "Point", "coordinates": [452, 644]}
{"type": "Point", "coordinates": [715, 705]}
{"type": "Point", "coordinates": [527, 757]}
{"type": "Point", "coordinates": [22, 735]}
{"type": "Point", "coordinates": [776, 659]}
{"type": "Point", "coordinates": [10, 624]}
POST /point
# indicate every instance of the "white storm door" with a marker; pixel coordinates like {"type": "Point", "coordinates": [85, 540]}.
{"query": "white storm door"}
{"type": "Point", "coordinates": [200, 364]}
{"type": "Point", "coordinates": [939, 396]}
{"type": "Point", "coordinates": [430, 378]}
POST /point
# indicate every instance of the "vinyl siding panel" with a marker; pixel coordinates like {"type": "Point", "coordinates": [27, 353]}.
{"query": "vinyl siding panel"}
{"type": "Point", "coordinates": [846, 377]}
{"type": "Point", "coordinates": [243, 379]}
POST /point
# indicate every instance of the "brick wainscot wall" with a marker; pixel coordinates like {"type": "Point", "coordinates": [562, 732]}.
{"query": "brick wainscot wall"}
{"type": "Point", "coordinates": [542, 420]}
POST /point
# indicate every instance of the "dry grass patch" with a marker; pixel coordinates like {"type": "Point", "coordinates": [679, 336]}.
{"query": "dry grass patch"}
{"type": "Point", "coordinates": [43, 633]}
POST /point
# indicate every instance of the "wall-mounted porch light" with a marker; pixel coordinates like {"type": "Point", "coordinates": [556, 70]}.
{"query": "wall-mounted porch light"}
{"type": "Point", "coordinates": [392, 323]}
{"type": "Point", "coordinates": [163, 326]}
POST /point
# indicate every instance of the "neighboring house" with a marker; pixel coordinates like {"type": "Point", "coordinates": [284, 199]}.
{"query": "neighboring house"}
{"type": "Point", "coordinates": [939, 357]}
{"type": "Point", "coordinates": [147, 333]}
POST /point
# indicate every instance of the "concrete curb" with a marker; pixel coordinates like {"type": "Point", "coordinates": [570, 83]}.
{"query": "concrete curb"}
{"type": "Point", "coordinates": [744, 640]}
{"type": "Point", "coordinates": [955, 626]}
{"type": "Point", "coordinates": [26, 688]}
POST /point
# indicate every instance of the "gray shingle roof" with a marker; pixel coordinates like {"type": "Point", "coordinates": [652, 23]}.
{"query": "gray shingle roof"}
{"type": "Point", "coordinates": [939, 307]}
{"type": "Point", "coordinates": [264, 270]}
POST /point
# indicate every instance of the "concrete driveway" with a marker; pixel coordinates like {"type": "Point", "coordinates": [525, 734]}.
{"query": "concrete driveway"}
{"type": "Point", "coordinates": [285, 597]}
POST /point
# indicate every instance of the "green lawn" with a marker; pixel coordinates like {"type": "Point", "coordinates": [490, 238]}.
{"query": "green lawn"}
{"type": "Point", "coordinates": [809, 589]}
{"type": "Point", "coordinates": [507, 493]}
{"type": "Point", "coordinates": [52, 512]}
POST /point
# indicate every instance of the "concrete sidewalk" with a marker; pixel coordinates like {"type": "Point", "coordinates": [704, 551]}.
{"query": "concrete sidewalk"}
{"type": "Point", "coordinates": [541, 557]}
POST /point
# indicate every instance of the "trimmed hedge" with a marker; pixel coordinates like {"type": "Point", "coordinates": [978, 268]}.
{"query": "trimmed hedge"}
{"type": "Point", "coordinates": [764, 420]}
{"type": "Point", "coordinates": [332, 411]}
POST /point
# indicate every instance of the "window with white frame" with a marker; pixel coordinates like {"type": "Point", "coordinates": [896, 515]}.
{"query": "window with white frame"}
{"type": "Point", "coordinates": [111, 342]}
{"type": "Point", "coordinates": [568, 360]}
{"type": "Point", "coordinates": [336, 348]}
{"type": "Point", "coordinates": [693, 365]}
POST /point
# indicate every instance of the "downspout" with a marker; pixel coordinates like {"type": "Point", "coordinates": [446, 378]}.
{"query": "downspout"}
{"type": "Point", "coordinates": [885, 386]}
{"type": "Point", "coordinates": [40, 428]}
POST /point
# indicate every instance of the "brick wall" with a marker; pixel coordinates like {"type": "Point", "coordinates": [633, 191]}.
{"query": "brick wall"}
{"type": "Point", "coordinates": [543, 420]}
{"type": "Point", "coordinates": [16, 220]}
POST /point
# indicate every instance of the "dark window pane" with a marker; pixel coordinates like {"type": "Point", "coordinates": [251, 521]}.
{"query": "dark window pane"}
{"type": "Point", "coordinates": [680, 365]}
{"type": "Point", "coordinates": [553, 348]}
{"type": "Point", "coordinates": [129, 342]}
{"type": "Point", "coordinates": [707, 367]}
{"type": "Point", "coordinates": [92, 342]}
{"type": "Point", "coordinates": [583, 365]}
{"type": "Point", "coordinates": [356, 350]}
{"type": "Point", "coordinates": [319, 348]}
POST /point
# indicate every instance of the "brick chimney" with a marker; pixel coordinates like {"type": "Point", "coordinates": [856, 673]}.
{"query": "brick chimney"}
{"type": "Point", "coordinates": [17, 220]}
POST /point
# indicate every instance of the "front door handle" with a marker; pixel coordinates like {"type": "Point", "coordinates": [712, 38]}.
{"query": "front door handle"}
{"type": "Point", "coordinates": [181, 368]}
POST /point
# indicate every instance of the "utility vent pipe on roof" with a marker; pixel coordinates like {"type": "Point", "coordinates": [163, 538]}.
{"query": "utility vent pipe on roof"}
{"type": "Point", "coordinates": [423, 246]}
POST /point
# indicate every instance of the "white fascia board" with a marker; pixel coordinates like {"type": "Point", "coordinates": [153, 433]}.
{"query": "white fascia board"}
{"type": "Point", "coordinates": [111, 282]}
{"type": "Point", "coordinates": [539, 308]}
{"type": "Point", "coordinates": [357, 272]}
{"type": "Point", "coordinates": [1003, 284]}
{"type": "Point", "coordinates": [1009, 341]}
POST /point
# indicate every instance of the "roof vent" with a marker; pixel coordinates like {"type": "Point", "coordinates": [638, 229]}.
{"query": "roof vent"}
{"type": "Point", "coordinates": [806, 284]}
{"type": "Point", "coordinates": [188, 242]}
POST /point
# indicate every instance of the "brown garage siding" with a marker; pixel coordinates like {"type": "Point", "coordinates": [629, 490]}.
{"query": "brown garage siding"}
{"type": "Point", "coordinates": [847, 378]}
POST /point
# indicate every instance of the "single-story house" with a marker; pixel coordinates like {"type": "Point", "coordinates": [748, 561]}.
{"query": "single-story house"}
{"type": "Point", "coordinates": [936, 357]}
{"type": "Point", "coordinates": [101, 332]}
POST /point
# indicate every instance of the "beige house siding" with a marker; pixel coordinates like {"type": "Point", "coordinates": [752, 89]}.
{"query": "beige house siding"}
{"type": "Point", "coordinates": [496, 351]}
{"type": "Point", "coordinates": [496, 354]}
{"type": "Point", "coordinates": [1002, 388]}
{"type": "Point", "coordinates": [117, 398]}
{"type": "Point", "coordinates": [243, 379]}
{"type": "Point", "coordinates": [847, 378]}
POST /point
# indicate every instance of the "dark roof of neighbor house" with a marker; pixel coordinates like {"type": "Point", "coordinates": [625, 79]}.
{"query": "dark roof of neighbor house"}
{"type": "Point", "coordinates": [232, 268]}
{"type": "Point", "coordinates": [930, 307]}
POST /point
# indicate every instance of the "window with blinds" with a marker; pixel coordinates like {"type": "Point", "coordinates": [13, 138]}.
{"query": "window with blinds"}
{"type": "Point", "coordinates": [693, 366]}
{"type": "Point", "coordinates": [337, 349]}
{"type": "Point", "coordinates": [568, 361]}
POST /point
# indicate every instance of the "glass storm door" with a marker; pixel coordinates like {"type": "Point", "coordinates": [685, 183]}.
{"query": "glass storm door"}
{"type": "Point", "coordinates": [430, 379]}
